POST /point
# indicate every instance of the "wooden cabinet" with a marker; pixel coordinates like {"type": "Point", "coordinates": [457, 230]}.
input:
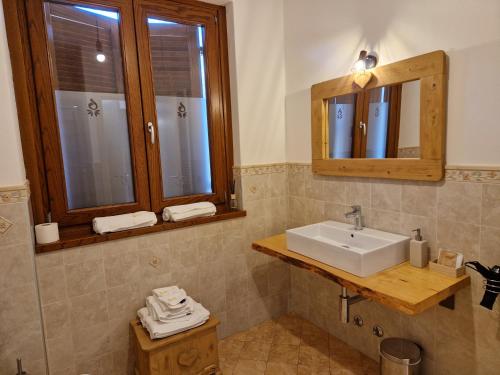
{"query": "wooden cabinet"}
{"type": "Point", "coordinates": [193, 352]}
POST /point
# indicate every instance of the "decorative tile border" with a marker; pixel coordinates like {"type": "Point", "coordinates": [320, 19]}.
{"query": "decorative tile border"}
{"type": "Point", "coordinates": [14, 194]}
{"type": "Point", "coordinates": [251, 170]}
{"type": "Point", "coordinates": [468, 174]}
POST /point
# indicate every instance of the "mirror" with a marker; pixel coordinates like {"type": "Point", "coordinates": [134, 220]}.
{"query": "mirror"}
{"type": "Point", "coordinates": [379, 123]}
{"type": "Point", "coordinates": [394, 127]}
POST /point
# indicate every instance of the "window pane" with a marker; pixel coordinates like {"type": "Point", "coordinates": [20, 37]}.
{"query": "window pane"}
{"type": "Point", "coordinates": [85, 48]}
{"type": "Point", "coordinates": [378, 122]}
{"type": "Point", "coordinates": [181, 105]}
{"type": "Point", "coordinates": [341, 110]}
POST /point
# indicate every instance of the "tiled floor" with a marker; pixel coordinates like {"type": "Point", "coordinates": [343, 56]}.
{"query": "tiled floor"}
{"type": "Point", "coordinates": [291, 346]}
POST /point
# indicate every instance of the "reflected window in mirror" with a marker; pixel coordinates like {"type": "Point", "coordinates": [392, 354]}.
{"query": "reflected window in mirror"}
{"type": "Point", "coordinates": [341, 119]}
{"type": "Point", "coordinates": [380, 123]}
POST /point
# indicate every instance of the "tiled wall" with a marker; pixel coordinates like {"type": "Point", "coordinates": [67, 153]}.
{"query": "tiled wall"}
{"type": "Point", "coordinates": [89, 294]}
{"type": "Point", "coordinates": [461, 213]}
{"type": "Point", "coordinates": [20, 325]}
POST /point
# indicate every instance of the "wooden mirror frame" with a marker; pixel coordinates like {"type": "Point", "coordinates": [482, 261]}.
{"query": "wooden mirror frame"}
{"type": "Point", "coordinates": [431, 70]}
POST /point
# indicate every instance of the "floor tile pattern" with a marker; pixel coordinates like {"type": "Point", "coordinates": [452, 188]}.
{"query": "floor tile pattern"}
{"type": "Point", "coordinates": [291, 345]}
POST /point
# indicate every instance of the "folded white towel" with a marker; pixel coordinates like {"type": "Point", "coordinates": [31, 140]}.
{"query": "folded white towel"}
{"type": "Point", "coordinates": [171, 297]}
{"type": "Point", "coordinates": [158, 313]}
{"type": "Point", "coordinates": [118, 223]}
{"type": "Point", "coordinates": [188, 211]}
{"type": "Point", "coordinates": [159, 330]}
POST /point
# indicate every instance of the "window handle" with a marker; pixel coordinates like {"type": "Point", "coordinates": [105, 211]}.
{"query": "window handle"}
{"type": "Point", "coordinates": [151, 130]}
{"type": "Point", "coordinates": [362, 125]}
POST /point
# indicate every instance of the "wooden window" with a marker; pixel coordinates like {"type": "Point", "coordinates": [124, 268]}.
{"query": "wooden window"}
{"type": "Point", "coordinates": [123, 105]}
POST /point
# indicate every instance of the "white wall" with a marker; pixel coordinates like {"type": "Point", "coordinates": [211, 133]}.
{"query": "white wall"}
{"type": "Point", "coordinates": [11, 160]}
{"type": "Point", "coordinates": [256, 54]}
{"type": "Point", "coordinates": [324, 37]}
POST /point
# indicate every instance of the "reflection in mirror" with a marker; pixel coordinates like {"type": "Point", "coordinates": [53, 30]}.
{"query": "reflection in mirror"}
{"type": "Point", "coordinates": [341, 112]}
{"type": "Point", "coordinates": [383, 122]}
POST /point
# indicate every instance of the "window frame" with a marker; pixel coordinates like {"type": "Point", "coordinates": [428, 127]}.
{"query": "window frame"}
{"type": "Point", "coordinates": [26, 73]}
{"type": "Point", "coordinates": [194, 15]}
{"type": "Point", "coordinates": [44, 88]}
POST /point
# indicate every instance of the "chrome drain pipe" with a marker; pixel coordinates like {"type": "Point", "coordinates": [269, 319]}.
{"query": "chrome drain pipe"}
{"type": "Point", "coordinates": [344, 302]}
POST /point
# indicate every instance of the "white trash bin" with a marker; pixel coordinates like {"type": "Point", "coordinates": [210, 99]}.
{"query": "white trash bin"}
{"type": "Point", "coordinates": [399, 356]}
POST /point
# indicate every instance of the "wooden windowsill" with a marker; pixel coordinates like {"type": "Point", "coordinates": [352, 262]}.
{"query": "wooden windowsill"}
{"type": "Point", "coordinates": [83, 234]}
{"type": "Point", "coordinates": [404, 288]}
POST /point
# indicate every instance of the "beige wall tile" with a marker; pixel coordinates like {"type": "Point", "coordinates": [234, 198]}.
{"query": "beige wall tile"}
{"type": "Point", "coordinates": [52, 284]}
{"type": "Point", "coordinates": [118, 270]}
{"type": "Point", "coordinates": [489, 253]}
{"type": "Point", "coordinates": [255, 187]}
{"type": "Point", "coordinates": [491, 206]}
{"type": "Point", "coordinates": [48, 260]}
{"type": "Point", "coordinates": [279, 278]}
{"type": "Point", "coordinates": [419, 198]}
{"type": "Point", "coordinates": [20, 231]}
{"type": "Point", "coordinates": [277, 185]}
{"type": "Point", "coordinates": [82, 254]}
{"type": "Point", "coordinates": [60, 353]}
{"type": "Point", "coordinates": [124, 300]}
{"type": "Point", "coordinates": [458, 237]}
{"type": "Point", "coordinates": [296, 183]}
{"type": "Point", "coordinates": [336, 212]}
{"type": "Point", "coordinates": [87, 277]}
{"type": "Point", "coordinates": [358, 192]}
{"type": "Point", "coordinates": [313, 186]}
{"type": "Point", "coordinates": [16, 266]}
{"type": "Point", "coordinates": [386, 195]}
{"type": "Point", "coordinates": [57, 319]}
{"type": "Point", "coordinates": [460, 201]}
{"type": "Point", "coordinates": [388, 221]}
{"type": "Point", "coordinates": [314, 211]}
{"type": "Point", "coordinates": [335, 190]}
{"type": "Point", "coordinates": [91, 340]}
{"type": "Point", "coordinates": [88, 309]}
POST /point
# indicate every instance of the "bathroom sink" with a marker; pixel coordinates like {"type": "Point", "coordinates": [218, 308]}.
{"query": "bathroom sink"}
{"type": "Point", "coordinates": [360, 252]}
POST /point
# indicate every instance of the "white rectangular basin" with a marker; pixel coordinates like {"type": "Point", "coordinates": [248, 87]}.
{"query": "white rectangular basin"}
{"type": "Point", "coordinates": [360, 252]}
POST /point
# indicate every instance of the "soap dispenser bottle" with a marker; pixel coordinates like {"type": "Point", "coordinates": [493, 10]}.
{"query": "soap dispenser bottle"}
{"type": "Point", "coordinates": [419, 250]}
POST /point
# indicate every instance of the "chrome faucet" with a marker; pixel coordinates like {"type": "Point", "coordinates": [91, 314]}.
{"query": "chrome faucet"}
{"type": "Point", "coordinates": [356, 214]}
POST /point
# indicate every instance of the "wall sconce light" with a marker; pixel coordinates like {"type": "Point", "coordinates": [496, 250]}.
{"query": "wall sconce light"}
{"type": "Point", "coordinates": [365, 61]}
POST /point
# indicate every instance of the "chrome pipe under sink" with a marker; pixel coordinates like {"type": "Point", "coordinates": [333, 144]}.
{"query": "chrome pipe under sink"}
{"type": "Point", "coordinates": [344, 302]}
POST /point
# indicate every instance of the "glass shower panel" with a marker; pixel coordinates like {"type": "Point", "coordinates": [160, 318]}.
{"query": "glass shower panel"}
{"type": "Point", "coordinates": [85, 47]}
{"type": "Point", "coordinates": [341, 114]}
{"type": "Point", "coordinates": [178, 63]}
{"type": "Point", "coordinates": [378, 123]}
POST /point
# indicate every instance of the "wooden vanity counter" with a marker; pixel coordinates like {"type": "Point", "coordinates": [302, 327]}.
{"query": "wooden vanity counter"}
{"type": "Point", "coordinates": [404, 288]}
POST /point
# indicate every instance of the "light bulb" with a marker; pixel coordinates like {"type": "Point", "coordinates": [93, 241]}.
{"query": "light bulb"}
{"type": "Point", "coordinates": [101, 57]}
{"type": "Point", "coordinates": [360, 65]}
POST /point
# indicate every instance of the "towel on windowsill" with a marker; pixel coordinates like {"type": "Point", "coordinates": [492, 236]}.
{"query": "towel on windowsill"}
{"type": "Point", "coordinates": [188, 211]}
{"type": "Point", "coordinates": [108, 224]}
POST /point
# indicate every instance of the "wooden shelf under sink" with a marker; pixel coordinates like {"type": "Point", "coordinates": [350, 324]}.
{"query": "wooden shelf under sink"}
{"type": "Point", "coordinates": [404, 288]}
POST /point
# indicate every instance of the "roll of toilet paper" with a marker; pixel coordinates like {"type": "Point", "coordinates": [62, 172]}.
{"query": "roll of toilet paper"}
{"type": "Point", "coordinates": [46, 233]}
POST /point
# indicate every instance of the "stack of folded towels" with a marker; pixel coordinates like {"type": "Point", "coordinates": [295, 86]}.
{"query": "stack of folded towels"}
{"type": "Point", "coordinates": [169, 311]}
